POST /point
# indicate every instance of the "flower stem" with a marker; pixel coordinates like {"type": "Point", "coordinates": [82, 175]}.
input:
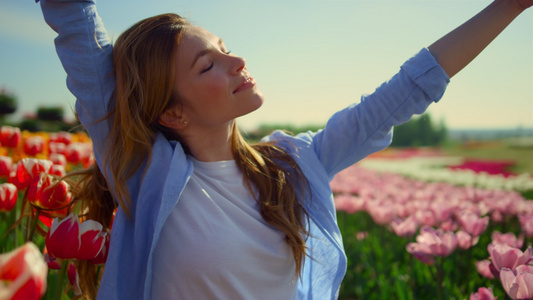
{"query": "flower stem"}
{"type": "Point", "coordinates": [440, 276]}
{"type": "Point", "coordinates": [59, 285]}
{"type": "Point", "coordinates": [33, 225]}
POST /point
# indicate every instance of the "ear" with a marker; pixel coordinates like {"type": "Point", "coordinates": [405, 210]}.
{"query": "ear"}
{"type": "Point", "coordinates": [173, 118]}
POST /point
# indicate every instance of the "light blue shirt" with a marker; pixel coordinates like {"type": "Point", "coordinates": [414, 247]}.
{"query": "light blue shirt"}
{"type": "Point", "coordinates": [350, 135]}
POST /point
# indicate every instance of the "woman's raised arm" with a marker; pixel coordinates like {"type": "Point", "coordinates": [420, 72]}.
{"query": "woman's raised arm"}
{"type": "Point", "coordinates": [85, 51]}
{"type": "Point", "coordinates": [459, 47]}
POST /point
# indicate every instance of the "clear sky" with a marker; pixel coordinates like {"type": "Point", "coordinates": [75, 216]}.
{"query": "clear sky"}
{"type": "Point", "coordinates": [310, 58]}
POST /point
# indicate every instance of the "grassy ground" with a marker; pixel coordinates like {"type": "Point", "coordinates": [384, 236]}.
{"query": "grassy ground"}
{"type": "Point", "coordinates": [523, 157]}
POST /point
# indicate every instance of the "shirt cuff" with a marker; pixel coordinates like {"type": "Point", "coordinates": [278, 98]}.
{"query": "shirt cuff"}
{"type": "Point", "coordinates": [426, 72]}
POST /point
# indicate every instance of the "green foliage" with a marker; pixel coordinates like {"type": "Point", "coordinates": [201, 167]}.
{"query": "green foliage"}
{"type": "Point", "coordinates": [8, 103]}
{"type": "Point", "coordinates": [50, 113]}
{"type": "Point", "coordinates": [379, 267]}
{"type": "Point", "coordinates": [419, 131]}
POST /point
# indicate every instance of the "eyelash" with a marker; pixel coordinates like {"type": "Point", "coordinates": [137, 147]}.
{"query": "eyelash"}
{"type": "Point", "coordinates": [211, 65]}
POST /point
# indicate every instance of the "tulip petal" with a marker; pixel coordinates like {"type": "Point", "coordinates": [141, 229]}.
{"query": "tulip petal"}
{"type": "Point", "coordinates": [74, 279]}
{"type": "Point", "coordinates": [507, 278]}
{"type": "Point", "coordinates": [92, 239]}
{"type": "Point", "coordinates": [525, 286]}
{"type": "Point", "coordinates": [63, 239]}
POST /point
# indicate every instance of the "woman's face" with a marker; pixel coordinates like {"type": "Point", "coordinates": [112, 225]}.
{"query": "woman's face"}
{"type": "Point", "coordinates": [213, 84]}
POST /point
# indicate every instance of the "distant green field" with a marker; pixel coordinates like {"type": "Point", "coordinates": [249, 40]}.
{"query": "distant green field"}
{"type": "Point", "coordinates": [523, 157]}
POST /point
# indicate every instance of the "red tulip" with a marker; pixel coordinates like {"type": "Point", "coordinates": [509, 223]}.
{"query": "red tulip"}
{"type": "Point", "coordinates": [74, 279]}
{"type": "Point", "coordinates": [518, 283]}
{"type": "Point", "coordinates": [483, 294]}
{"type": "Point", "coordinates": [6, 164]}
{"type": "Point", "coordinates": [68, 239]}
{"type": "Point", "coordinates": [46, 194]}
{"type": "Point", "coordinates": [76, 152]}
{"type": "Point", "coordinates": [10, 136]}
{"type": "Point", "coordinates": [23, 273]}
{"type": "Point", "coordinates": [52, 262]}
{"type": "Point", "coordinates": [8, 196]}
{"type": "Point", "coordinates": [61, 137]}
{"type": "Point", "coordinates": [58, 170]}
{"type": "Point", "coordinates": [101, 258]}
{"type": "Point", "coordinates": [33, 145]}
{"type": "Point", "coordinates": [57, 148]}
{"type": "Point", "coordinates": [57, 159]}
{"type": "Point", "coordinates": [503, 256]}
{"type": "Point", "coordinates": [27, 169]}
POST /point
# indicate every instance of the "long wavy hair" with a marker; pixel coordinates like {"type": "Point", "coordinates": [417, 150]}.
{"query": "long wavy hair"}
{"type": "Point", "coordinates": [144, 71]}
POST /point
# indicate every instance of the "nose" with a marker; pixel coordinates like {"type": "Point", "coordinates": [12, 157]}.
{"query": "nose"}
{"type": "Point", "coordinates": [238, 65]}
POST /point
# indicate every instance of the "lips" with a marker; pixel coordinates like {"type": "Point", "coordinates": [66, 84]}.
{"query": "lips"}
{"type": "Point", "coordinates": [247, 83]}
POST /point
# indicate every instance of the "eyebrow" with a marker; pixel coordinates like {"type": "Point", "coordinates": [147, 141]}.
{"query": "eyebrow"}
{"type": "Point", "coordinates": [204, 52]}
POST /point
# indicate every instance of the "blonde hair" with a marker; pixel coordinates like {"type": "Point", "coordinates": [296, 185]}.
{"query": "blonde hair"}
{"type": "Point", "coordinates": [144, 71]}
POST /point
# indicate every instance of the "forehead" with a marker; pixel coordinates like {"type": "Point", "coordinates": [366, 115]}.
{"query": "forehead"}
{"type": "Point", "coordinates": [197, 37]}
{"type": "Point", "coordinates": [193, 40]}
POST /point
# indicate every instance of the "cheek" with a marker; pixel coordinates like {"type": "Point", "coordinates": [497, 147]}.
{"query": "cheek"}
{"type": "Point", "coordinates": [214, 88]}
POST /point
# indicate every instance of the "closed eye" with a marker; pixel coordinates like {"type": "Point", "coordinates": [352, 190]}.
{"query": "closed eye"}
{"type": "Point", "coordinates": [207, 69]}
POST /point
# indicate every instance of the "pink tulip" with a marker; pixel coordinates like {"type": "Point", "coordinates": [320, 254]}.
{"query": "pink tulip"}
{"type": "Point", "coordinates": [526, 221]}
{"type": "Point", "coordinates": [381, 213]}
{"type": "Point", "coordinates": [508, 239]}
{"type": "Point", "coordinates": [10, 136]}
{"type": "Point", "coordinates": [483, 268]}
{"type": "Point", "coordinates": [68, 239]}
{"type": "Point", "coordinates": [349, 203]}
{"type": "Point", "coordinates": [361, 235]}
{"type": "Point", "coordinates": [6, 164]}
{"type": "Point", "coordinates": [426, 217]}
{"type": "Point", "coordinates": [74, 279]}
{"type": "Point", "coordinates": [518, 283]}
{"type": "Point", "coordinates": [33, 145]}
{"type": "Point", "coordinates": [8, 196]}
{"type": "Point", "coordinates": [431, 243]}
{"type": "Point", "coordinates": [472, 223]}
{"type": "Point", "coordinates": [404, 228]}
{"type": "Point", "coordinates": [503, 256]}
{"type": "Point", "coordinates": [465, 240]}
{"type": "Point", "coordinates": [483, 294]}
{"type": "Point", "coordinates": [23, 273]}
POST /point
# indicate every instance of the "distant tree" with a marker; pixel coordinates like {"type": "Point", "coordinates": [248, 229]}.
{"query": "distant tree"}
{"type": "Point", "coordinates": [50, 113]}
{"type": "Point", "coordinates": [419, 131]}
{"type": "Point", "coordinates": [8, 104]}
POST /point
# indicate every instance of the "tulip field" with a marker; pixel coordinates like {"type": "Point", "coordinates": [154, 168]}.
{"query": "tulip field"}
{"type": "Point", "coordinates": [416, 224]}
{"type": "Point", "coordinates": [434, 227]}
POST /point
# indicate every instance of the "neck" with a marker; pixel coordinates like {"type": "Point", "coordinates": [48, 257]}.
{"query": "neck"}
{"type": "Point", "coordinates": [213, 144]}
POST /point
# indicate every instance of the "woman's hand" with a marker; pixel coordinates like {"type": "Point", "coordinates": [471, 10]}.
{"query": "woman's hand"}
{"type": "Point", "coordinates": [459, 47]}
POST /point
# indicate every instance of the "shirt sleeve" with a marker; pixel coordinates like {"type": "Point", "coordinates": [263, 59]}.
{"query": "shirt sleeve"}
{"type": "Point", "coordinates": [366, 127]}
{"type": "Point", "coordinates": [85, 52]}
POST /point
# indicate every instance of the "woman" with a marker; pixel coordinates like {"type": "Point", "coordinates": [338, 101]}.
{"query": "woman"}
{"type": "Point", "coordinates": [202, 214]}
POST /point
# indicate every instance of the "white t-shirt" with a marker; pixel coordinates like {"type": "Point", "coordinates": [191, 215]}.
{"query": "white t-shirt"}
{"type": "Point", "coordinates": [216, 245]}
